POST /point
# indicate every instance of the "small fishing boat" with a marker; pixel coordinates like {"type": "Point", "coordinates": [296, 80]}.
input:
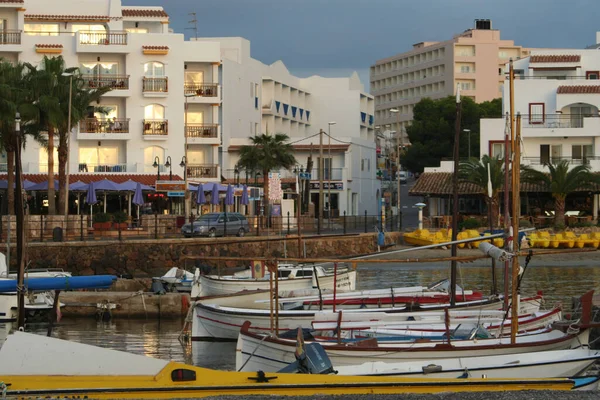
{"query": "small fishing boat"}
{"type": "Point", "coordinates": [290, 276]}
{"type": "Point", "coordinates": [175, 280]}
{"type": "Point", "coordinates": [38, 366]}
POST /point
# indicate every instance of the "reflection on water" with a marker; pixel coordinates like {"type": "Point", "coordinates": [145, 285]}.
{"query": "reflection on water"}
{"type": "Point", "coordinates": [159, 338]}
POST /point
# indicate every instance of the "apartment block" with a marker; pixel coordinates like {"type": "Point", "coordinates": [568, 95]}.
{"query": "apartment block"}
{"type": "Point", "coordinates": [474, 59]}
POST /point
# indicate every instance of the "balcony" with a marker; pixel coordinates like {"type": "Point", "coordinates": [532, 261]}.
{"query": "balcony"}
{"type": "Point", "coordinates": [109, 38]}
{"type": "Point", "coordinates": [156, 129]}
{"type": "Point", "coordinates": [115, 82]}
{"type": "Point", "coordinates": [94, 129]}
{"type": "Point", "coordinates": [155, 86]}
{"type": "Point", "coordinates": [10, 37]}
{"type": "Point", "coordinates": [334, 174]}
{"type": "Point", "coordinates": [202, 170]}
{"type": "Point", "coordinates": [102, 168]}
{"type": "Point", "coordinates": [197, 132]}
{"type": "Point", "coordinates": [201, 89]}
{"type": "Point", "coordinates": [549, 125]}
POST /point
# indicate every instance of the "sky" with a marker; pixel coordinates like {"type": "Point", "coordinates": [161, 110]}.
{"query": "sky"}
{"type": "Point", "coordinates": [335, 37]}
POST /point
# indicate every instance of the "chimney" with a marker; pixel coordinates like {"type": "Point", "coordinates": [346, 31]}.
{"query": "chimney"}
{"type": "Point", "coordinates": [483, 24]}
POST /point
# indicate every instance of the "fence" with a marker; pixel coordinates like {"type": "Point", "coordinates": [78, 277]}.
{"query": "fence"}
{"type": "Point", "coordinates": [57, 228]}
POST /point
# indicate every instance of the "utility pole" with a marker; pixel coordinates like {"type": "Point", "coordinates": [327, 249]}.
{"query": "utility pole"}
{"type": "Point", "coordinates": [455, 200]}
{"type": "Point", "coordinates": [321, 164]}
{"type": "Point", "coordinates": [195, 26]}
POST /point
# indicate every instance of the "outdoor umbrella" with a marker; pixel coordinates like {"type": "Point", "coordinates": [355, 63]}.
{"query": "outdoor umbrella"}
{"type": "Point", "coordinates": [200, 198]}
{"type": "Point", "coordinates": [106, 186]}
{"type": "Point", "coordinates": [26, 184]}
{"type": "Point", "coordinates": [78, 186]}
{"type": "Point", "coordinates": [138, 198]}
{"type": "Point", "coordinates": [42, 186]}
{"type": "Point", "coordinates": [214, 198]}
{"type": "Point", "coordinates": [245, 200]}
{"type": "Point", "coordinates": [91, 198]}
{"type": "Point", "coordinates": [229, 196]}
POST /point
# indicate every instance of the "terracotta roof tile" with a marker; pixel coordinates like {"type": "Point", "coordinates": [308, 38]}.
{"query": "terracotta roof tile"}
{"type": "Point", "coordinates": [12, 1]}
{"type": "Point", "coordinates": [48, 46]}
{"type": "Point", "coordinates": [155, 47]}
{"type": "Point", "coordinates": [573, 89]}
{"type": "Point", "coordinates": [145, 179]}
{"type": "Point", "coordinates": [62, 17]}
{"type": "Point", "coordinates": [555, 59]}
{"type": "Point", "coordinates": [136, 12]}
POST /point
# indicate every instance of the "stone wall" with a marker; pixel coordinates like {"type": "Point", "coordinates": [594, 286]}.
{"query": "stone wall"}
{"type": "Point", "coordinates": [148, 258]}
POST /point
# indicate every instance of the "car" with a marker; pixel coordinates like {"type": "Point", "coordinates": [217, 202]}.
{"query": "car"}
{"type": "Point", "coordinates": [213, 224]}
{"type": "Point", "coordinates": [403, 176]}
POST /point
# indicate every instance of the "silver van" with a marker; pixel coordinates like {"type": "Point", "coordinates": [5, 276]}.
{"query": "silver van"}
{"type": "Point", "coordinates": [213, 224]}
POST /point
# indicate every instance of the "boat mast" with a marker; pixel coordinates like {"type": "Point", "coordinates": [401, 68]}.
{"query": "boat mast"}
{"type": "Point", "coordinates": [516, 214]}
{"type": "Point", "coordinates": [455, 200]}
{"type": "Point", "coordinates": [20, 214]}
{"type": "Point", "coordinates": [508, 152]}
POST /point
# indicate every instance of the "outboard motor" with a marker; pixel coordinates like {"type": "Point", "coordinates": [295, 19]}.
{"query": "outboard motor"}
{"type": "Point", "coordinates": [310, 359]}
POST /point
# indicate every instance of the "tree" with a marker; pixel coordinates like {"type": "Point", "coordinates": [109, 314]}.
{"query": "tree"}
{"type": "Point", "coordinates": [476, 172]}
{"type": "Point", "coordinates": [432, 130]}
{"type": "Point", "coordinates": [267, 153]}
{"type": "Point", "coordinates": [561, 181]}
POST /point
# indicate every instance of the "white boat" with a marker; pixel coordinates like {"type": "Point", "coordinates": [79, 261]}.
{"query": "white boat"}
{"type": "Point", "coordinates": [261, 352]}
{"type": "Point", "coordinates": [176, 280]}
{"type": "Point", "coordinates": [8, 307]}
{"type": "Point", "coordinates": [543, 364]}
{"type": "Point", "coordinates": [291, 277]}
{"type": "Point", "coordinates": [212, 321]}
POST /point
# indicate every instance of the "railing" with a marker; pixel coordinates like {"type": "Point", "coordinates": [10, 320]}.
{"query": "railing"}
{"type": "Point", "coordinates": [202, 170]}
{"type": "Point", "coordinates": [201, 89]}
{"type": "Point", "coordinates": [155, 84]}
{"type": "Point", "coordinates": [202, 130]}
{"type": "Point", "coordinates": [115, 82]}
{"type": "Point", "coordinates": [328, 173]}
{"type": "Point", "coordinates": [554, 160]}
{"type": "Point", "coordinates": [10, 37]}
{"type": "Point", "coordinates": [156, 127]}
{"type": "Point", "coordinates": [554, 121]}
{"type": "Point", "coordinates": [115, 125]}
{"type": "Point", "coordinates": [101, 168]}
{"type": "Point", "coordinates": [103, 38]}
{"type": "Point", "coordinates": [556, 77]}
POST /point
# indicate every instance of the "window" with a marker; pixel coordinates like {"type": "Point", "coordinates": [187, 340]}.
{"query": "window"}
{"type": "Point", "coordinates": [156, 111]}
{"type": "Point", "coordinates": [154, 69]}
{"type": "Point", "coordinates": [137, 30]}
{"type": "Point", "coordinates": [41, 29]}
{"type": "Point", "coordinates": [465, 69]}
{"type": "Point", "coordinates": [581, 152]}
{"type": "Point", "coordinates": [465, 86]}
{"type": "Point", "coordinates": [43, 159]}
{"type": "Point", "coordinates": [502, 54]}
{"type": "Point", "coordinates": [592, 75]}
{"type": "Point", "coordinates": [194, 77]}
{"type": "Point", "coordinates": [150, 153]}
{"type": "Point", "coordinates": [577, 115]}
{"type": "Point", "coordinates": [195, 117]}
{"type": "Point", "coordinates": [99, 68]}
{"type": "Point", "coordinates": [256, 129]}
{"type": "Point", "coordinates": [550, 153]}
{"type": "Point", "coordinates": [362, 164]}
{"type": "Point", "coordinates": [88, 28]}
{"type": "Point", "coordinates": [537, 113]}
{"type": "Point", "coordinates": [108, 112]}
{"type": "Point", "coordinates": [93, 157]}
{"type": "Point", "coordinates": [497, 150]}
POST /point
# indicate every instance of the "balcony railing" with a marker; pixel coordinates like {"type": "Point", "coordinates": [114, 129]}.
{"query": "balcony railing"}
{"type": "Point", "coordinates": [201, 89]}
{"type": "Point", "coordinates": [154, 85]}
{"type": "Point", "coordinates": [554, 120]}
{"type": "Point", "coordinates": [86, 167]}
{"type": "Point", "coordinates": [202, 170]}
{"type": "Point", "coordinates": [555, 160]}
{"type": "Point", "coordinates": [103, 38]}
{"type": "Point", "coordinates": [115, 125]}
{"type": "Point", "coordinates": [328, 174]}
{"type": "Point", "coordinates": [202, 130]}
{"type": "Point", "coordinates": [10, 37]}
{"type": "Point", "coordinates": [115, 82]}
{"type": "Point", "coordinates": [555, 77]}
{"type": "Point", "coordinates": [156, 127]}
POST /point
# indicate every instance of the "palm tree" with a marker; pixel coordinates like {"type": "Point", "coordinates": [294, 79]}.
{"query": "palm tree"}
{"type": "Point", "coordinates": [476, 172]}
{"type": "Point", "coordinates": [267, 153]}
{"type": "Point", "coordinates": [560, 182]}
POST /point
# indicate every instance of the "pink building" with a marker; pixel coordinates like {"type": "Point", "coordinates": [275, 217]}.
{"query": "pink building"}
{"type": "Point", "coordinates": [475, 59]}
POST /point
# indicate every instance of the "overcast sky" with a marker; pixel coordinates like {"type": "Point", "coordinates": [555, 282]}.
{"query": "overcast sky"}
{"type": "Point", "coordinates": [335, 37]}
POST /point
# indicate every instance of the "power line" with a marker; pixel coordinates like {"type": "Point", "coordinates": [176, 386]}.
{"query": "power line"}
{"type": "Point", "coordinates": [350, 143]}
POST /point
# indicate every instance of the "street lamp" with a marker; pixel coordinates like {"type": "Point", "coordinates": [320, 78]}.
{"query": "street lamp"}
{"type": "Point", "coordinates": [330, 169]}
{"type": "Point", "coordinates": [236, 175]}
{"type": "Point", "coordinates": [183, 165]}
{"type": "Point", "coordinates": [399, 140]}
{"type": "Point", "coordinates": [66, 193]}
{"type": "Point", "coordinates": [420, 206]}
{"type": "Point", "coordinates": [469, 141]}
{"type": "Point", "coordinates": [157, 166]}
{"type": "Point", "coordinates": [168, 165]}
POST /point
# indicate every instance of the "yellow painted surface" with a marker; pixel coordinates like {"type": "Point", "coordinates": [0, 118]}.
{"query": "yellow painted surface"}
{"type": "Point", "coordinates": [214, 383]}
{"type": "Point", "coordinates": [156, 52]}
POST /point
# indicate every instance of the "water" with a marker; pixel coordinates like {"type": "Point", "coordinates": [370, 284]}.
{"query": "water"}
{"type": "Point", "coordinates": [160, 338]}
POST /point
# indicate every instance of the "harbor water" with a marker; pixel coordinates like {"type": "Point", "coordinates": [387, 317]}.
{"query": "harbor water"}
{"type": "Point", "coordinates": [160, 338]}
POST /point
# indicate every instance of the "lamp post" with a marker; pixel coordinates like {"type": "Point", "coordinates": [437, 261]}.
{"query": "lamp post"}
{"type": "Point", "coordinates": [468, 142]}
{"type": "Point", "coordinates": [168, 165]}
{"type": "Point", "coordinates": [256, 176]}
{"type": "Point", "coordinates": [66, 193]}
{"type": "Point", "coordinates": [183, 164]}
{"type": "Point", "coordinates": [157, 166]}
{"type": "Point", "coordinates": [185, 141]}
{"type": "Point", "coordinates": [20, 223]}
{"type": "Point", "coordinates": [236, 175]}
{"type": "Point", "coordinates": [420, 206]}
{"type": "Point", "coordinates": [399, 141]}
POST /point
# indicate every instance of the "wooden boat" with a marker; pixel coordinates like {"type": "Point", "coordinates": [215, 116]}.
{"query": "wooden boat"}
{"type": "Point", "coordinates": [543, 364]}
{"type": "Point", "coordinates": [291, 277]}
{"type": "Point", "coordinates": [214, 321]}
{"type": "Point", "coordinates": [37, 366]}
{"type": "Point", "coordinates": [263, 352]}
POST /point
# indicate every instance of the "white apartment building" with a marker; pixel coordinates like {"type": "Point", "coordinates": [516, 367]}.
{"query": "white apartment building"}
{"type": "Point", "coordinates": [149, 68]}
{"type": "Point", "coordinates": [260, 98]}
{"type": "Point", "coordinates": [474, 60]}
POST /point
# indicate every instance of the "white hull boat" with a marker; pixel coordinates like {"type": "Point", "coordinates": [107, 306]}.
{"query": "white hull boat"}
{"type": "Point", "coordinates": [218, 322]}
{"type": "Point", "coordinates": [260, 352]}
{"type": "Point", "coordinates": [176, 280]}
{"type": "Point", "coordinates": [8, 307]}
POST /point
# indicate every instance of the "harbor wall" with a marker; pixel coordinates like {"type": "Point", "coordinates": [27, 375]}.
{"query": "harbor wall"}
{"type": "Point", "coordinates": [149, 258]}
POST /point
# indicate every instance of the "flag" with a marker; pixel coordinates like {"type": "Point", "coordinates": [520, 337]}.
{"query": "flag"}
{"type": "Point", "coordinates": [258, 269]}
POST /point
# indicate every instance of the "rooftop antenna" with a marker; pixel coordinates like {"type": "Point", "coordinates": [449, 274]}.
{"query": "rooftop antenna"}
{"type": "Point", "coordinates": [195, 22]}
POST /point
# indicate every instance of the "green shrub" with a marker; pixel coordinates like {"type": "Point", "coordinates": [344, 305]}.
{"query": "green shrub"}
{"type": "Point", "coordinates": [120, 217]}
{"type": "Point", "coordinates": [102, 217]}
{"type": "Point", "coordinates": [470, 223]}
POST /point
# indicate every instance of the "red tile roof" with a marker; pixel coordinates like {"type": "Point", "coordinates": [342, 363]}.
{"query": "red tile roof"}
{"type": "Point", "coordinates": [555, 59]}
{"type": "Point", "coordinates": [137, 12]}
{"type": "Point", "coordinates": [145, 179]}
{"type": "Point", "coordinates": [55, 17]}
{"type": "Point", "coordinates": [48, 46]}
{"type": "Point", "coordinates": [155, 47]}
{"type": "Point", "coordinates": [12, 1]}
{"type": "Point", "coordinates": [574, 89]}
